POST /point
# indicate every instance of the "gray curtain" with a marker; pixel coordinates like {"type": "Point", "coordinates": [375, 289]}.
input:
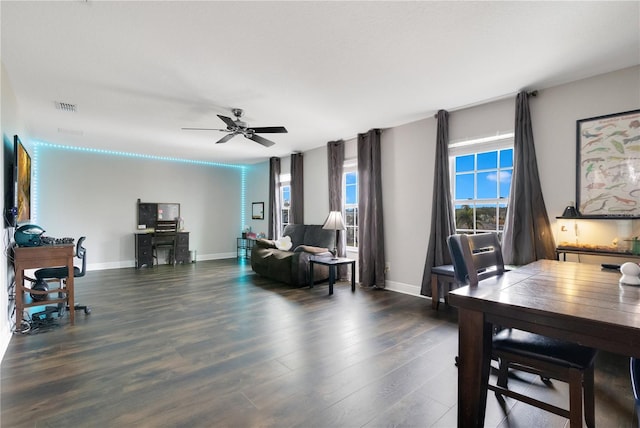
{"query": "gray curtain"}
{"type": "Point", "coordinates": [296, 212]}
{"type": "Point", "coordinates": [527, 233]}
{"type": "Point", "coordinates": [335, 162]}
{"type": "Point", "coordinates": [370, 228]}
{"type": "Point", "coordinates": [275, 223]}
{"type": "Point", "coordinates": [442, 212]}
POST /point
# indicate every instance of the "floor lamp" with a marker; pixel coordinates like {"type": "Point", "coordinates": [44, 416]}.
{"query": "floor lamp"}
{"type": "Point", "coordinates": [334, 222]}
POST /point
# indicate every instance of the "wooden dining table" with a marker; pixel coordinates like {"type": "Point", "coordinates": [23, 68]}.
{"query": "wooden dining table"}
{"type": "Point", "coordinates": [581, 303]}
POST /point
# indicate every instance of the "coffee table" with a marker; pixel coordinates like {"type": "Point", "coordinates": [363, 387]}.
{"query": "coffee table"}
{"type": "Point", "coordinates": [333, 264]}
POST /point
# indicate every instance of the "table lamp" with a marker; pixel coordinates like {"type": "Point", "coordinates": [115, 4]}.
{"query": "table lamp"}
{"type": "Point", "coordinates": [334, 222]}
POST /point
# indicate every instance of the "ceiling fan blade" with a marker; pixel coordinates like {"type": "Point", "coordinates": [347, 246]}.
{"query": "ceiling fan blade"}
{"type": "Point", "coordinates": [270, 130]}
{"type": "Point", "coordinates": [230, 123]}
{"type": "Point", "coordinates": [225, 138]}
{"type": "Point", "coordinates": [203, 129]}
{"type": "Point", "coordinates": [260, 140]}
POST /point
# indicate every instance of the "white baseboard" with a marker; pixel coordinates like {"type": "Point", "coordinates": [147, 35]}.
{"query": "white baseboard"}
{"type": "Point", "coordinates": [132, 263]}
{"type": "Point", "coordinates": [401, 287]}
{"type": "Point", "coordinates": [5, 338]}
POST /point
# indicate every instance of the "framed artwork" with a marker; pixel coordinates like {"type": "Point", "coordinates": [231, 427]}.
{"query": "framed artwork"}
{"type": "Point", "coordinates": [257, 210]}
{"type": "Point", "coordinates": [608, 165]}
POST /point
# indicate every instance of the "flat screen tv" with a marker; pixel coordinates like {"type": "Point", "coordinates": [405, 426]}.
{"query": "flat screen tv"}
{"type": "Point", "coordinates": [22, 182]}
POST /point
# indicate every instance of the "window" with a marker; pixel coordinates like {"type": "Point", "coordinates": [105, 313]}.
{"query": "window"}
{"type": "Point", "coordinates": [350, 192]}
{"type": "Point", "coordinates": [285, 203]}
{"type": "Point", "coordinates": [480, 181]}
{"type": "Point", "coordinates": [285, 199]}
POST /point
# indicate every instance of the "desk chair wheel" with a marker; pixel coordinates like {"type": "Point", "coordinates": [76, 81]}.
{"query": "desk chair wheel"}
{"type": "Point", "coordinates": [86, 309]}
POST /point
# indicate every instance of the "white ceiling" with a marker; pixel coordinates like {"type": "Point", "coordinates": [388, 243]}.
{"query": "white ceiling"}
{"type": "Point", "coordinates": [140, 71]}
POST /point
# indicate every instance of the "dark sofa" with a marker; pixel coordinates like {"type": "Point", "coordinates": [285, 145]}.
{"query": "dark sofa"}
{"type": "Point", "coordinates": [292, 266]}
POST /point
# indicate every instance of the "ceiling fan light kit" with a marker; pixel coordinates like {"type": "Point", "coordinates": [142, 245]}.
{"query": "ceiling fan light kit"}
{"type": "Point", "coordinates": [238, 127]}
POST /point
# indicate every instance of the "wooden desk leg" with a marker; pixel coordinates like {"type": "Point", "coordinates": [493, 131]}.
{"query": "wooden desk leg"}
{"type": "Point", "coordinates": [435, 293]}
{"type": "Point", "coordinates": [474, 361]}
{"type": "Point", "coordinates": [353, 277]}
{"type": "Point", "coordinates": [19, 297]}
{"type": "Point", "coordinates": [70, 292]}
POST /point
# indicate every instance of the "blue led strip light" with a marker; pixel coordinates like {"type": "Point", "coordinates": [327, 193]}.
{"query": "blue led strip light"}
{"type": "Point", "coordinates": [34, 185]}
{"type": "Point", "coordinates": [243, 196]}
{"type": "Point", "coordinates": [37, 144]}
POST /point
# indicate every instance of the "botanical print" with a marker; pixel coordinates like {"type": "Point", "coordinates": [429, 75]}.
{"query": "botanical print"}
{"type": "Point", "coordinates": [608, 148]}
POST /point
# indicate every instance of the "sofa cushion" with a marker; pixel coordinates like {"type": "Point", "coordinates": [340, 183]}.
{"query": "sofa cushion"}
{"type": "Point", "coordinates": [296, 233]}
{"type": "Point", "coordinates": [316, 236]}
{"type": "Point", "coordinates": [265, 243]}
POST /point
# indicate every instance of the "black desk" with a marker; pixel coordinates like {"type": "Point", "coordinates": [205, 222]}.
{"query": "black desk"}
{"type": "Point", "coordinates": [144, 246]}
{"type": "Point", "coordinates": [333, 270]}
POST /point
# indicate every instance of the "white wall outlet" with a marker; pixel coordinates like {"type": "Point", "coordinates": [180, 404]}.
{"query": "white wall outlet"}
{"type": "Point", "coordinates": [387, 267]}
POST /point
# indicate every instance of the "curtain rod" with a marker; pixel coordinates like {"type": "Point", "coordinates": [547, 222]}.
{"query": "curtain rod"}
{"type": "Point", "coordinates": [533, 93]}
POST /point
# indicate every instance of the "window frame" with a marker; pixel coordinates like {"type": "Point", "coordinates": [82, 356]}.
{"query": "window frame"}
{"type": "Point", "coordinates": [350, 166]}
{"type": "Point", "coordinates": [285, 182]}
{"type": "Point", "coordinates": [475, 147]}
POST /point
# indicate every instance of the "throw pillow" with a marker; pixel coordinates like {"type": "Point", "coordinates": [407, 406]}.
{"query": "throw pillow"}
{"type": "Point", "coordinates": [284, 243]}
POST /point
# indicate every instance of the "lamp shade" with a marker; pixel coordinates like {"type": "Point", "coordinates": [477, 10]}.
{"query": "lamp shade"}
{"type": "Point", "coordinates": [334, 221]}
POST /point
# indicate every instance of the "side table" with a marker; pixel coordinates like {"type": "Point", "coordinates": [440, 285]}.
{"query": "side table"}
{"type": "Point", "coordinates": [333, 269]}
{"type": "Point", "coordinates": [243, 247]}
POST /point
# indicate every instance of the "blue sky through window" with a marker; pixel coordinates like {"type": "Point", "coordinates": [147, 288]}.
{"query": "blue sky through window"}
{"type": "Point", "coordinates": [351, 189]}
{"type": "Point", "coordinates": [483, 175]}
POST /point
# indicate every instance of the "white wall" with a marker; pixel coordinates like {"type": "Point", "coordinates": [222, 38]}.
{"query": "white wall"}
{"type": "Point", "coordinates": [257, 185]}
{"type": "Point", "coordinates": [11, 124]}
{"type": "Point", "coordinates": [95, 194]}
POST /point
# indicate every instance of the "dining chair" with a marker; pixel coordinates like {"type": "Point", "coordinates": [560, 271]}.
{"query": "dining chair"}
{"type": "Point", "coordinates": [477, 257]}
{"type": "Point", "coordinates": [165, 236]}
{"type": "Point", "coordinates": [634, 368]}
{"type": "Point", "coordinates": [444, 275]}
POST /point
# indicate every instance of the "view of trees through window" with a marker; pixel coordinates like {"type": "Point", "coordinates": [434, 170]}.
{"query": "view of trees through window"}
{"type": "Point", "coordinates": [481, 183]}
{"type": "Point", "coordinates": [285, 204]}
{"type": "Point", "coordinates": [351, 207]}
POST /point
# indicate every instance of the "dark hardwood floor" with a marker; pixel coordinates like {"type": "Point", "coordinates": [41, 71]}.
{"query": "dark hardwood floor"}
{"type": "Point", "coordinates": [212, 344]}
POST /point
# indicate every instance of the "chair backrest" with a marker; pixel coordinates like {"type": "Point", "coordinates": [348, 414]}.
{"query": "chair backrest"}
{"type": "Point", "coordinates": [475, 257]}
{"type": "Point", "coordinates": [81, 253]}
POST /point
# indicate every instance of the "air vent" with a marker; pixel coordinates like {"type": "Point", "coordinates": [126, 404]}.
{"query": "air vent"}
{"type": "Point", "coordinates": [71, 108]}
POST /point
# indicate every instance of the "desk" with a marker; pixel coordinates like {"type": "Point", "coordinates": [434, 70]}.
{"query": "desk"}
{"type": "Point", "coordinates": [41, 257]}
{"type": "Point", "coordinates": [576, 302]}
{"type": "Point", "coordinates": [143, 242]}
{"type": "Point", "coordinates": [333, 270]}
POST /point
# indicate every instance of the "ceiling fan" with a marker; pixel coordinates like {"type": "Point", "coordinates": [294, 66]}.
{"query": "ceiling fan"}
{"type": "Point", "coordinates": [238, 127]}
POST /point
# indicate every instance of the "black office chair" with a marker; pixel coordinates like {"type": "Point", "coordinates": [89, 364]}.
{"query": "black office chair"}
{"type": "Point", "coordinates": [62, 273]}
{"type": "Point", "coordinates": [477, 257]}
{"type": "Point", "coordinates": [165, 236]}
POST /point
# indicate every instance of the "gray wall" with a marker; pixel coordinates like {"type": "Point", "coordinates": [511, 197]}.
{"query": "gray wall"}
{"type": "Point", "coordinates": [408, 158]}
{"type": "Point", "coordinates": [95, 194]}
